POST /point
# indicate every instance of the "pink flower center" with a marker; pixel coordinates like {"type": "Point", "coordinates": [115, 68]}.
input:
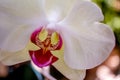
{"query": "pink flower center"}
{"type": "Point", "coordinates": [47, 41]}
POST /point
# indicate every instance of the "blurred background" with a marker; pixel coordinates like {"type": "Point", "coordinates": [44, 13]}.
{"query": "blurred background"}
{"type": "Point", "coordinates": [109, 70]}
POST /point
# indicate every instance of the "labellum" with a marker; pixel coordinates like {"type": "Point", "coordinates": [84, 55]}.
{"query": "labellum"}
{"type": "Point", "coordinates": [47, 41]}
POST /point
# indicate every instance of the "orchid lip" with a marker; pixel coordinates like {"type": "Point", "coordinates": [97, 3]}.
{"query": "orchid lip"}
{"type": "Point", "coordinates": [43, 56]}
{"type": "Point", "coordinates": [41, 59]}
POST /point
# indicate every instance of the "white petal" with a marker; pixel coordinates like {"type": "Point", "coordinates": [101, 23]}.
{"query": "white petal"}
{"type": "Point", "coordinates": [18, 39]}
{"type": "Point", "coordinates": [23, 9]}
{"type": "Point", "coordinates": [15, 15]}
{"type": "Point", "coordinates": [82, 13]}
{"type": "Point", "coordinates": [68, 72]}
{"type": "Point", "coordinates": [87, 46]}
{"type": "Point", "coordinates": [58, 9]}
{"type": "Point", "coordinates": [9, 58]}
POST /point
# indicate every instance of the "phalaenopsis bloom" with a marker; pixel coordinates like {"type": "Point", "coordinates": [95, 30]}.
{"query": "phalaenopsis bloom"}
{"type": "Point", "coordinates": [64, 33]}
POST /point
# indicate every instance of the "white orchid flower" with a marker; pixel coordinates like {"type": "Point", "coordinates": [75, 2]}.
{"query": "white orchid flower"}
{"type": "Point", "coordinates": [64, 33]}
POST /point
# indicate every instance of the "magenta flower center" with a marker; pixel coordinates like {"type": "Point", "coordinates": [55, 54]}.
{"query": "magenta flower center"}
{"type": "Point", "coordinates": [47, 41]}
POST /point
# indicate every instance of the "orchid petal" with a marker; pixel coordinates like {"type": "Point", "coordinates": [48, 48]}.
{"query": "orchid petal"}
{"type": "Point", "coordinates": [71, 74]}
{"type": "Point", "coordinates": [18, 39]}
{"type": "Point", "coordinates": [14, 14]}
{"type": "Point", "coordinates": [87, 43]}
{"type": "Point", "coordinates": [87, 46]}
{"type": "Point", "coordinates": [57, 9]}
{"type": "Point", "coordinates": [83, 12]}
{"type": "Point", "coordinates": [11, 58]}
{"type": "Point", "coordinates": [22, 9]}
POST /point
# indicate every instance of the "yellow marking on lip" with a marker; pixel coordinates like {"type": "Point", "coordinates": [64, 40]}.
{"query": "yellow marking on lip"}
{"type": "Point", "coordinates": [54, 38]}
{"type": "Point", "coordinates": [43, 34]}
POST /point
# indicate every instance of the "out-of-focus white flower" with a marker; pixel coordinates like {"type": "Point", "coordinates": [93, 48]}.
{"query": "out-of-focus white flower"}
{"type": "Point", "coordinates": [65, 33]}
